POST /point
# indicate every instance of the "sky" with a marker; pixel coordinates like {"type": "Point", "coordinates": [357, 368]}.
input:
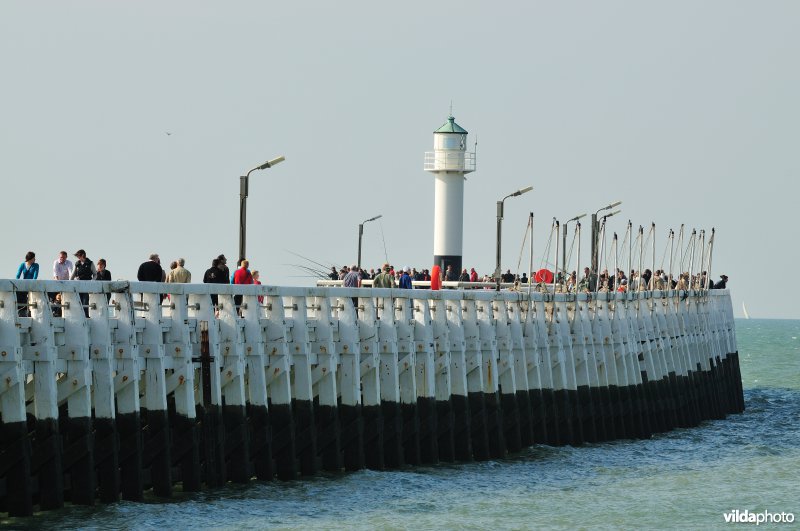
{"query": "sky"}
{"type": "Point", "coordinates": [687, 112]}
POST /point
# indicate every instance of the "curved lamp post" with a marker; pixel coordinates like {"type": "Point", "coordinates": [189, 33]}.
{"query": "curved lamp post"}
{"type": "Point", "coordinates": [596, 230]}
{"type": "Point", "coordinates": [500, 205]}
{"type": "Point", "coordinates": [244, 184]}
{"type": "Point", "coordinates": [361, 233]}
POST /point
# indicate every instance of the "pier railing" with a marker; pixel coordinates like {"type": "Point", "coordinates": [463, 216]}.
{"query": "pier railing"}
{"type": "Point", "coordinates": [126, 386]}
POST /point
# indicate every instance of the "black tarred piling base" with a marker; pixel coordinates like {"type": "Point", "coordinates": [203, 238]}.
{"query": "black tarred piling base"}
{"type": "Point", "coordinates": [352, 433]}
{"type": "Point", "coordinates": [511, 431]}
{"type": "Point", "coordinates": [329, 437]}
{"type": "Point", "coordinates": [494, 425]}
{"type": "Point", "coordinates": [605, 414]}
{"type": "Point", "coordinates": [260, 442]}
{"type": "Point", "coordinates": [212, 444]}
{"type": "Point", "coordinates": [284, 442]}
{"type": "Point", "coordinates": [157, 456]}
{"type": "Point", "coordinates": [525, 418]}
{"type": "Point", "coordinates": [737, 377]}
{"type": "Point", "coordinates": [640, 411]}
{"type": "Point", "coordinates": [372, 420]}
{"type": "Point", "coordinates": [627, 412]}
{"type": "Point", "coordinates": [237, 443]}
{"type": "Point", "coordinates": [130, 456]}
{"type": "Point", "coordinates": [617, 409]}
{"type": "Point", "coordinates": [679, 400]}
{"type": "Point", "coordinates": [428, 430]}
{"type": "Point", "coordinates": [15, 466]}
{"type": "Point", "coordinates": [106, 459]}
{"type": "Point", "coordinates": [538, 416]}
{"type": "Point", "coordinates": [599, 410]}
{"type": "Point", "coordinates": [444, 426]}
{"type": "Point", "coordinates": [563, 417]}
{"type": "Point", "coordinates": [479, 426]}
{"type": "Point", "coordinates": [575, 411]}
{"type": "Point", "coordinates": [305, 436]}
{"type": "Point", "coordinates": [47, 464]}
{"type": "Point", "coordinates": [462, 428]}
{"type": "Point", "coordinates": [78, 458]}
{"type": "Point", "coordinates": [587, 416]}
{"type": "Point", "coordinates": [185, 451]}
{"type": "Point", "coordinates": [551, 417]}
{"type": "Point", "coordinates": [411, 451]}
{"type": "Point", "coordinates": [687, 417]}
{"type": "Point", "coordinates": [392, 434]}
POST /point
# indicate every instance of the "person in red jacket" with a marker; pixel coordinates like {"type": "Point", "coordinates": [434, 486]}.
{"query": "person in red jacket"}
{"type": "Point", "coordinates": [242, 276]}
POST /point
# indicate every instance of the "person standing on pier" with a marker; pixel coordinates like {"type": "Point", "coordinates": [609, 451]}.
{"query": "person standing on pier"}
{"type": "Point", "coordinates": [102, 273]}
{"type": "Point", "coordinates": [28, 269]}
{"type": "Point", "coordinates": [84, 270]}
{"type": "Point", "coordinates": [62, 268]}
{"type": "Point", "coordinates": [223, 266]}
{"type": "Point", "coordinates": [405, 279]}
{"type": "Point", "coordinates": [383, 279]}
{"type": "Point", "coordinates": [242, 276]}
{"type": "Point", "coordinates": [151, 270]}
{"type": "Point", "coordinates": [179, 275]}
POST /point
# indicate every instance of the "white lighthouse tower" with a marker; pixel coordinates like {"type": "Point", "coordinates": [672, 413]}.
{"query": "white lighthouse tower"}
{"type": "Point", "coordinates": [449, 162]}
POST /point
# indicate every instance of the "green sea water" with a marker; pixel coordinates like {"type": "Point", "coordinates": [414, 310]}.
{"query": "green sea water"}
{"type": "Point", "coordinates": [685, 479]}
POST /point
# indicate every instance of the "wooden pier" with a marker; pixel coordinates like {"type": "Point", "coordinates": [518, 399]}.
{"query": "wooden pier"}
{"type": "Point", "coordinates": [151, 386]}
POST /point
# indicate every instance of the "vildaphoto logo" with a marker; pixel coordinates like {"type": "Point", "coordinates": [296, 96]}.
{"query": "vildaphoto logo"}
{"type": "Point", "coordinates": [764, 517]}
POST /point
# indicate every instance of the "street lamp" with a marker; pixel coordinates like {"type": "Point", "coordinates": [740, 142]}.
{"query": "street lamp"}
{"type": "Point", "coordinates": [244, 182]}
{"type": "Point", "coordinates": [500, 205]}
{"type": "Point", "coordinates": [361, 233]}
{"type": "Point", "coordinates": [596, 230]}
{"type": "Point", "coordinates": [564, 243]}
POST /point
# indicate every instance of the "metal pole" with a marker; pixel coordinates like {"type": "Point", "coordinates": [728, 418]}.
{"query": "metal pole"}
{"type": "Point", "coordinates": [692, 243]}
{"type": "Point", "coordinates": [671, 249]}
{"type": "Point", "coordinates": [630, 256]}
{"type": "Point", "coordinates": [499, 240]}
{"type": "Point", "coordinates": [244, 181]}
{"type": "Point", "coordinates": [702, 255]}
{"type": "Point", "coordinates": [593, 249]}
{"type": "Point", "coordinates": [601, 235]}
{"type": "Point", "coordinates": [641, 254]}
{"type": "Point", "coordinates": [653, 252]}
{"type": "Point", "coordinates": [710, 255]}
{"type": "Point", "coordinates": [360, 234]}
{"type": "Point", "coordinates": [555, 267]}
{"type": "Point", "coordinates": [564, 251]}
{"type": "Point", "coordinates": [530, 264]}
{"type": "Point", "coordinates": [578, 257]}
{"type": "Point", "coordinates": [616, 265]}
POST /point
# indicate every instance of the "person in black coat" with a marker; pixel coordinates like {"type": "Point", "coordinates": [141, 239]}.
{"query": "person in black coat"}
{"type": "Point", "coordinates": [151, 270]}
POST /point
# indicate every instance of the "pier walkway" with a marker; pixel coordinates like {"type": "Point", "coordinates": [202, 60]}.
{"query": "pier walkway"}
{"type": "Point", "coordinates": [150, 386]}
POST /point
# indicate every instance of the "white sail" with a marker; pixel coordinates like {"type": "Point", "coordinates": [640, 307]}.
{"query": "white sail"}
{"type": "Point", "coordinates": [744, 311]}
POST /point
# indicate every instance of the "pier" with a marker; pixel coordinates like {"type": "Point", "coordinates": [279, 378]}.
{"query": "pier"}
{"type": "Point", "coordinates": [152, 386]}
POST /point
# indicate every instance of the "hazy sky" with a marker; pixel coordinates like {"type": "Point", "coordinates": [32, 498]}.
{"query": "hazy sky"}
{"type": "Point", "coordinates": [686, 111]}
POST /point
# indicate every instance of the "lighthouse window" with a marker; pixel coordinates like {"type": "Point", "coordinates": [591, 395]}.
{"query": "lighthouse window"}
{"type": "Point", "coordinates": [452, 142]}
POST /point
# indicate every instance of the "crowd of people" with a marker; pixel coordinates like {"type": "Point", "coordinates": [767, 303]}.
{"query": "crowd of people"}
{"type": "Point", "coordinates": [389, 276]}
{"type": "Point", "coordinates": [83, 268]}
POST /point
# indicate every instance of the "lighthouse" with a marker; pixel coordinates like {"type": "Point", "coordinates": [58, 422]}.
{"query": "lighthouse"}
{"type": "Point", "coordinates": [449, 162]}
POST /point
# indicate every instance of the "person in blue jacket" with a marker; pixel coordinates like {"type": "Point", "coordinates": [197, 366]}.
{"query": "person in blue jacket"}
{"type": "Point", "coordinates": [29, 270]}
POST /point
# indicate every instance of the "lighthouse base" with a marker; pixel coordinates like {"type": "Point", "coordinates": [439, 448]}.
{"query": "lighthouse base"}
{"type": "Point", "coordinates": [444, 260]}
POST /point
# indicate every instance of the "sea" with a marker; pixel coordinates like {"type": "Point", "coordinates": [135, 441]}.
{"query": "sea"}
{"type": "Point", "coordinates": [685, 479]}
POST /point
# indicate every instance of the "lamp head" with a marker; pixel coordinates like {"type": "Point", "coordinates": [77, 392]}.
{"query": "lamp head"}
{"type": "Point", "coordinates": [373, 219]}
{"type": "Point", "coordinates": [523, 191]}
{"type": "Point", "coordinates": [271, 163]}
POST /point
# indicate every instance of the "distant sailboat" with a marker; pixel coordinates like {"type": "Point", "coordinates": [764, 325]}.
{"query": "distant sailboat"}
{"type": "Point", "coordinates": [744, 311]}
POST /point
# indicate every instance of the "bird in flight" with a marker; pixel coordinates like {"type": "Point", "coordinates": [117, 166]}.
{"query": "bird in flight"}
{"type": "Point", "coordinates": [168, 133]}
